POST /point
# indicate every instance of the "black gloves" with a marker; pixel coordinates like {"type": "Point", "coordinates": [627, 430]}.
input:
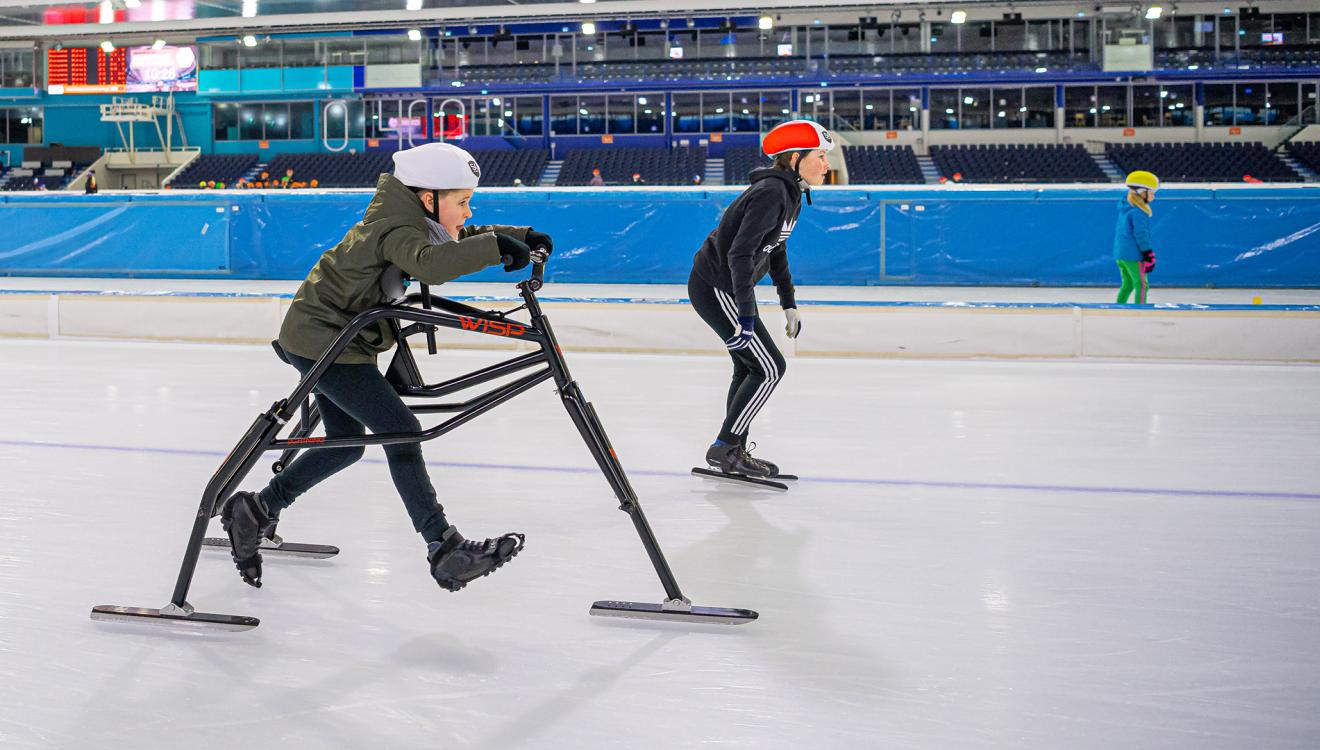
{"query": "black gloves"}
{"type": "Point", "coordinates": [541, 245]}
{"type": "Point", "coordinates": [514, 255]}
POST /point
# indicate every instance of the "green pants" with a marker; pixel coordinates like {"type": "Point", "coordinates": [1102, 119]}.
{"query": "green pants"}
{"type": "Point", "coordinates": [1134, 280]}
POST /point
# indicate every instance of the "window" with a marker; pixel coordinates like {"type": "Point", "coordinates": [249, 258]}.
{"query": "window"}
{"type": "Point", "coordinates": [302, 121]}
{"type": "Point", "coordinates": [1039, 107]}
{"type": "Point", "coordinates": [975, 37]}
{"type": "Point", "coordinates": [268, 121]}
{"type": "Point", "coordinates": [745, 115]}
{"type": "Point", "coordinates": [528, 115]}
{"type": "Point", "coordinates": [846, 108]}
{"type": "Point", "coordinates": [907, 109]}
{"type": "Point", "coordinates": [1079, 106]}
{"type": "Point", "coordinates": [905, 37]}
{"type": "Point", "coordinates": [687, 113]}
{"type": "Point", "coordinates": [275, 119]}
{"type": "Point", "coordinates": [16, 68]}
{"type": "Point", "coordinates": [591, 115]}
{"type": "Point", "coordinates": [1281, 103]}
{"type": "Point", "coordinates": [22, 125]}
{"type": "Point", "coordinates": [1147, 107]}
{"type": "Point", "coordinates": [264, 55]}
{"type": "Point", "coordinates": [714, 112]}
{"type": "Point", "coordinates": [877, 109]}
{"type": "Point", "coordinates": [224, 118]}
{"type": "Point", "coordinates": [622, 114]}
{"type": "Point", "coordinates": [1010, 36]}
{"type": "Point", "coordinates": [1111, 107]}
{"type": "Point", "coordinates": [1178, 106]}
{"type": "Point", "coordinates": [650, 113]}
{"type": "Point", "coordinates": [1007, 110]}
{"type": "Point", "coordinates": [249, 122]}
{"type": "Point", "coordinates": [775, 108]}
{"type": "Point", "coordinates": [944, 109]}
{"type": "Point", "coordinates": [302, 53]}
{"type": "Point", "coordinates": [563, 115]}
{"type": "Point", "coordinates": [1218, 104]}
{"type": "Point", "coordinates": [219, 56]}
{"type": "Point", "coordinates": [845, 40]}
{"type": "Point", "coordinates": [943, 38]}
{"type": "Point", "coordinates": [975, 108]}
{"type": "Point", "coordinates": [1249, 107]}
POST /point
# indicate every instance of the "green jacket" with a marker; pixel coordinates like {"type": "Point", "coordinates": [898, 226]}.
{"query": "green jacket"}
{"type": "Point", "coordinates": [346, 280]}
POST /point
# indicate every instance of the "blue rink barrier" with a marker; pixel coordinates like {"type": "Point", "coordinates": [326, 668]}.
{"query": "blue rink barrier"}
{"type": "Point", "coordinates": [1210, 236]}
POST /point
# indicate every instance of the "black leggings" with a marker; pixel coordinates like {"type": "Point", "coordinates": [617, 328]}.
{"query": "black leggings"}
{"type": "Point", "coordinates": [353, 399]}
{"type": "Point", "coordinates": [757, 369]}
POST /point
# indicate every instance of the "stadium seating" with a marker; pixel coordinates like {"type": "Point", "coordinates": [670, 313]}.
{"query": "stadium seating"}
{"type": "Point", "coordinates": [226, 168]}
{"type": "Point", "coordinates": [499, 168]}
{"type": "Point", "coordinates": [882, 165]}
{"type": "Point", "coordinates": [658, 166]}
{"type": "Point", "coordinates": [739, 161]}
{"type": "Point", "coordinates": [1203, 162]}
{"type": "Point", "coordinates": [999, 163]}
{"type": "Point", "coordinates": [1308, 153]}
{"type": "Point", "coordinates": [333, 170]}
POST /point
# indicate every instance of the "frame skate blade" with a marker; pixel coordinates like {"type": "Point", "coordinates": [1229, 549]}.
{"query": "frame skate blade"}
{"type": "Point", "coordinates": [651, 611]}
{"type": "Point", "coordinates": [113, 613]}
{"type": "Point", "coordinates": [287, 549]}
{"type": "Point", "coordinates": [740, 479]}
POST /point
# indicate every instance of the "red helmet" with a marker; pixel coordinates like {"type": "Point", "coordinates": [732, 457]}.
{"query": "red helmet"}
{"type": "Point", "coordinates": [796, 135]}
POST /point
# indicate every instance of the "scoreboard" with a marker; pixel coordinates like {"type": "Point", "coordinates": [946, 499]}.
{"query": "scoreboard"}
{"type": "Point", "coordinates": [68, 71]}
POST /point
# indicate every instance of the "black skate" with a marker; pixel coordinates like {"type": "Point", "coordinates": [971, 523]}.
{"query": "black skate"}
{"type": "Point", "coordinates": [732, 462]}
{"type": "Point", "coordinates": [247, 521]}
{"type": "Point", "coordinates": [770, 467]}
{"type": "Point", "coordinates": [455, 560]}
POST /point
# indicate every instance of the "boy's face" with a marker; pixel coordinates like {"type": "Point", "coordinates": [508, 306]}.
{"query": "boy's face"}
{"type": "Point", "coordinates": [815, 165]}
{"type": "Point", "coordinates": [455, 210]}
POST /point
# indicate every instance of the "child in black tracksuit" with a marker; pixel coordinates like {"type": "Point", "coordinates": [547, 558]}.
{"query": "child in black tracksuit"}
{"type": "Point", "coordinates": [750, 241]}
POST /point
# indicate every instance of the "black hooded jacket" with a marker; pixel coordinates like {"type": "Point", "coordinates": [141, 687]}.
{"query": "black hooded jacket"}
{"type": "Point", "coordinates": [751, 239]}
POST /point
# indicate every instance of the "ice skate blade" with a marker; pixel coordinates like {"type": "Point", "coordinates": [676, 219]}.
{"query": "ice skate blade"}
{"type": "Point", "coordinates": [287, 549]}
{"type": "Point", "coordinates": [651, 611]}
{"type": "Point", "coordinates": [741, 479]}
{"type": "Point", "coordinates": [113, 613]}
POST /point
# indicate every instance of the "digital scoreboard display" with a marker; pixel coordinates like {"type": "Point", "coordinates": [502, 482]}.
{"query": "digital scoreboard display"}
{"type": "Point", "coordinates": [124, 70]}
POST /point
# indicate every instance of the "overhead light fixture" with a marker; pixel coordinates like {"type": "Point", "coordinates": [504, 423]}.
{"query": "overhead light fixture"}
{"type": "Point", "coordinates": [132, 3]}
{"type": "Point", "coordinates": [249, 8]}
{"type": "Point", "coordinates": [158, 44]}
{"type": "Point", "coordinates": [1154, 12]}
{"type": "Point", "coordinates": [107, 14]}
{"type": "Point", "coordinates": [158, 10]}
{"type": "Point", "coordinates": [765, 23]}
{"type": "Point", "coordinates": [249, 41]}
{"type": "Point", "coordinates": [588, 28]}
{"type": "Point", "coordinates": [586, 2]}
{"type": "Point", "coordinates": [413, 5]}
{"type": "Point", "coordinates": [107, 46]}
{"type": "Point", "coordinates": [1042, 70]}
{"type": "Point", "coordinates": [414, 35]}
{"type": "Point", "coordinates": [958, 16]}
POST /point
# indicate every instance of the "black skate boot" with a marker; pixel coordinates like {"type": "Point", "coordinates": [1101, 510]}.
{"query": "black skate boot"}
{"type": "Point", "coordinates": [247, 520]}
{"type": "Point", "coordinates": [771, 469]}
{"type": "Point", "coordinates": [455, 560]}
{"type": "Point", "coordinates": [733, 459]}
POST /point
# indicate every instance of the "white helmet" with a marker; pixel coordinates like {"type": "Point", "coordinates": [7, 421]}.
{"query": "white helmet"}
{"type": "Point", "coordinates": [436, 166]}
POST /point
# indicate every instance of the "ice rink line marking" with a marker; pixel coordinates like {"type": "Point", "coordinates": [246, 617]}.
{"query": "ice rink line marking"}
{"type": "Point", "coordinates": [1077, 489]}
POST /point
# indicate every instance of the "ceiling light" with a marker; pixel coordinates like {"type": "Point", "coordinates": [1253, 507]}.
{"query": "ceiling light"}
{"type": "Point", "coordinates": [132, 3]}
{"type": "Point", "coordinates": [249, 41]}
{"type": "Point", "coordinates": [958, 16]}
{"type": "Point", "coordinates": [249, 8]}
{"type": "Point", "coordinates": [765, 23]}
{"type": "Point", "coordinates": [589, 28]}
{"type": "Point", "coordinates": [413, 5]}
{"type": "Point", "coordinates": [586, 2]}
{"type": "Point", "coordinates": [414, 35]}
{"type": "Point", "coordinates": [158, 44]}
{"type": "Point", "coordinates": [1154, 12]}
{"type": "Point", "coordinates": [107, 46]}
{"type": "Point", "coordinates": [641, 100]}
{"type": "Point", "coordinates": [107, 14]}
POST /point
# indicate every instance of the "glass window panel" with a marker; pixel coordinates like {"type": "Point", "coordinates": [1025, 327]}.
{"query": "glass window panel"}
{"type": "Point", "coordinates": [975, 111]}
{"type": "Point", "coordinates": [1310, 100]}
{"type": "Point", "coordinates": [1250, 105]}
{"type": "Point", "coordinates": [1010, 36]}
{"type": "Point", "coordinates": [845, 40]}
{"type": "Point", "coordinates": [1039, 107]}
{"type": "Point", "coordinates": [219, 56]}
{"type": "Point", "coordinates": [846, 109]}
{"type": "Point", "coordinates": [301, 53]}
{"type": "Point", "coordinates": [746, 43]}
{"type": "Point", "coordinates": [1147, 107]}
{"type": "Point", "coordinates": [974, 37]}
{"type": "Point", "coordinates": [224, 120]}
{"type": "Point", "coordinates": [264, 55]}
{"type": "Point", "coordinates": [907, 109]}
{"type": "Point", "coordinates": [275, 119]}
{"type": "Point", "coordinates": [500, 50]}
{"type": "Point", "coordinates": [563, 115]}
{"type": "Point", "coordinates": [650, 113]}
{"type": "Point", "coordinates": [1282, 103]}
{"type": "Point", "coordinates": [1079, 108]}
{"type": "Point", "coordinates": [591, 114]}
{"type": "Point", "coordinates": [589, 48]}
{"type": "Point", "coordinates": [302, 120]}
{"type": "Point", "coordinates": [1292, 26]}
{"type": "Point", "coordinates": [744, 114]}
{"type": "Point", "coordinates": [877, 109]}
{"type": "Point", "coordinates": [1039, 35]}
{"type": "Point", "coordinates": [344, 52]}
{"type": "Point", "coordinates": [530, 118]}
{"type": "Point", "coordinates": [1006, 106]}
{"type": "Point", "coordinates": [715, 112]}
{"type": "Point", "coordinates": [622, 118]}
{"type": "Point", "coordinates": [905, 38]}
{"type": "Point", "coordinates": [774, 108]}
{"type": "Point", "coordinates": [1178, 106]}
{"type": "Point", "coordinates": [1228, 28]}
{"type": "Point", "coordinates": [249, 122]}
{"type": "Point", "coordinates": [1218, 104]}
{"type": "Point", "coordinates": [687, 113]}
{"type": "Point", "coordinates": [944, 109]}
{"type": "Point", "coordinates": [1252, 27]}
{"type": "Point", "coordinates": [943, 38]}
{"type": "Point", "coordinates": [1112, 107]}
{"type": "Point", "coordinates": [357, 119]}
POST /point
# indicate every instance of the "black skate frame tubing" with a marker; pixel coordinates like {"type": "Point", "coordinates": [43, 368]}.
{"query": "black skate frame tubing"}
{"type": "Point", "coordinates": [262, 436]}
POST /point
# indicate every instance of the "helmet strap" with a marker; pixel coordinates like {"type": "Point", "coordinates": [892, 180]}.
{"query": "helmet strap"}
{"type": "Point", "coordinates": [797, 173]}
{"type": "Point", "coordinates": [435, 206]}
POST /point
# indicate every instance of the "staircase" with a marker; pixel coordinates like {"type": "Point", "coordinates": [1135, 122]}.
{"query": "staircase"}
{"type": "Point", "coordinates": [255, 172]}
{"type": "Point", "coordinates": [551, 173]}
{"type": "Point", "coordinates": [929, 171]}
{"type": "Point", "coordinates": [714, 172]}
{"type": "Point", "coordinates": [1306, 172]}
{"type": "Point", "coordinates": [1110, 169]}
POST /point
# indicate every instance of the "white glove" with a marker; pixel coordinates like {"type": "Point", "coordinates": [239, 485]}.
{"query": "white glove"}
{"type": "Point", "coordinates": [793, 322]}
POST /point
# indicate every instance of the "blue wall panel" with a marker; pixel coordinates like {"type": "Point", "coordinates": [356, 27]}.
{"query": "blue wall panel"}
{"type": "Point", "coordinates": [1227, 238]}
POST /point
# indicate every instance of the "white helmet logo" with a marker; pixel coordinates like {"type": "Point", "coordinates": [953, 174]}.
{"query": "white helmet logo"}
{"type": "Point", "coordinates": [825, 136]}
{"type": "Point", "coordinates": [476, 171]}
